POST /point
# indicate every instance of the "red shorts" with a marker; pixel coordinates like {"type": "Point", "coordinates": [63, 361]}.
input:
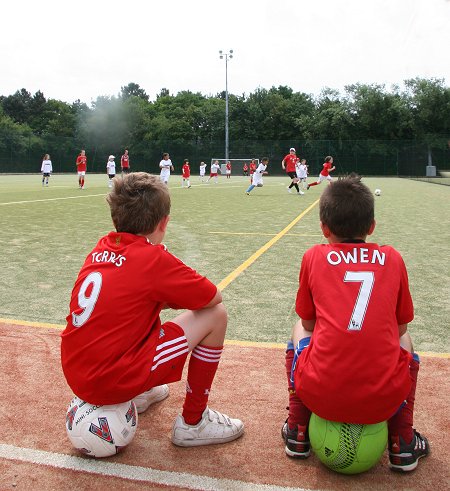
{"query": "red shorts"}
{"type": "Point", "coordinates": [213, 174]}
{"type": "Point", "coordinates": [170, 357]}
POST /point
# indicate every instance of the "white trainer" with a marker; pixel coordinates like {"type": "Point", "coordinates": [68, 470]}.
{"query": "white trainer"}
{"type": "Point", "coordinates": [146, 399]}
{"type": "Point", "coordinates": [214, 427]}
{"type": "Point", "coordinates": [288, 190]}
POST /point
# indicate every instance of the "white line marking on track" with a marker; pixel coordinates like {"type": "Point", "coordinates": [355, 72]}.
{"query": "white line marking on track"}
{"type": "Point", "coordinates": [131, 472]}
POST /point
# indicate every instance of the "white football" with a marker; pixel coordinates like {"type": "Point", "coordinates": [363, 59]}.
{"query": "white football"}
{"type": "Point", "coordinates": [100, 431]}
{"type": "Point", "coordinates": [377, 192]}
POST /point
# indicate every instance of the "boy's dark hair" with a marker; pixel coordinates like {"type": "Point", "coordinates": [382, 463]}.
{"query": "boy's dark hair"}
{"type": "Point", "coordinates": [138, 202]}
{"type": "Point", "coordinates": [265, 159]}
{"type": "Point", "coordinates": [347, 207]}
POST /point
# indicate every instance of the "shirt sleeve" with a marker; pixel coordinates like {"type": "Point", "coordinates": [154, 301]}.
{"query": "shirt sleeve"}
{"type": "Point", "coordinates": [405, 308]}
{"type": "Point", "coordinates": [181, 286]}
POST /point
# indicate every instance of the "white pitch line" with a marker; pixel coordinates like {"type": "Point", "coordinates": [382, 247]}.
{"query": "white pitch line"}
{"type": "Point", "coordinates": [133, 473]}
{"type": "Point", "coordinates": [51, 199]}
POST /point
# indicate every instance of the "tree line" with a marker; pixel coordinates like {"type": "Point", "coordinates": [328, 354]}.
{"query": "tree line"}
{"type": "Point", "coordinates": [192, 125]}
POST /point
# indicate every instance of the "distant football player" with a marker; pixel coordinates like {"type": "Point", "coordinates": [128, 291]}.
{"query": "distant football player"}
{"type": "Point", "coordinates": [166, 166]}
{"type": "Point", "coordinates": [111, 169]}
{"type": "Point", "coordinates": [186, 174]}
{"type": "Point", "coordinates": [81, 164]}
{"type": "Point", "coordinates": [257, 180]}
{"type": "Point", "coordinates": [325, 172]}
{"type": "Point", "coordinates": [46, 169]}
{"type": "Point", "coordinates": [288, 164]}
{"type": "Point", "coordinates": [125, 162]}
{"type": "Point", "coordinates": [215, 168]}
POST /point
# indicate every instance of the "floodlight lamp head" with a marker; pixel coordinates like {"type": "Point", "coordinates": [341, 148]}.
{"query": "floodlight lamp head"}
{"type": "Point", "coordinates": [220, 51]}
{"type": "Point", "coordinates": [231, 56]}
{"type": "Point", "coordinates": [221, 57]}
{"type": "Point", "coordinates": [231, 51]}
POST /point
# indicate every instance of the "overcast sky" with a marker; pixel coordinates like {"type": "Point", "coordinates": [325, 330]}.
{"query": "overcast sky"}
{"type": "Point", "coordinates": [88, 48]}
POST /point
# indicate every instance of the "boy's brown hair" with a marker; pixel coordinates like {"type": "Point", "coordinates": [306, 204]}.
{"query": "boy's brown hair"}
{"type": "Point", "coordinates": [347, 207]}
{"type": "Point", "coordinates": [138, 202]}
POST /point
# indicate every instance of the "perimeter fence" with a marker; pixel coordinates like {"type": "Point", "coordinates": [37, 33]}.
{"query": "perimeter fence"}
{"type": "Point", "coordinates": [405, 158]}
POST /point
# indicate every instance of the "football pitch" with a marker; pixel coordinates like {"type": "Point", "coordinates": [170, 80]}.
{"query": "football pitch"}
{"type": "Point", "coordinates": [251, 246]}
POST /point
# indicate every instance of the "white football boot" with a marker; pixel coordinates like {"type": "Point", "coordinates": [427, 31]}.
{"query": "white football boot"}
{"type": "Point", "coordinates": [214, 427]}
{"type": "Point", "coordinates": [146, 399]}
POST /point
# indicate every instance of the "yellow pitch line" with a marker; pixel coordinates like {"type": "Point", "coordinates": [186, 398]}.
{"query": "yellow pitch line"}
{"type": "Point", "coordinates": [263, 233]}
{"type": "Point", "coordinates": [234, 274]}
{"type": "Point", "coordinates": [17, 322]}
{"type": "Point", "coordinates": [229, 342]}
{"type": "Point", "coordinates": [267, 344]}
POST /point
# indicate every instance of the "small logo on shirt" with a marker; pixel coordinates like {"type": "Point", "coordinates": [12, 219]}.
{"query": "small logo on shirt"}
{"type": "Point", "coordinates": [118, 240]}
{"type": "Point", "coordinates": [161, 333]}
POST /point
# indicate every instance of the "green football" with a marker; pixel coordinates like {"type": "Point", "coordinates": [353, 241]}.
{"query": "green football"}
{"type": "Point", "coordinates": [347, 448]}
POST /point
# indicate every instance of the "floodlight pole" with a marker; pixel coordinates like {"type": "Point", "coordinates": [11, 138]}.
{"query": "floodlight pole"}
{"type": "Point", "coordinates": [226, 56]}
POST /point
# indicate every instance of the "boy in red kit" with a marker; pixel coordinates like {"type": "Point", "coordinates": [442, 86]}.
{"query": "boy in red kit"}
{"type": "Point", "coordinates": [252, 169]}
{"type": "Point", "coordinates": [125, 162]}
{"type": "Point", "coordinates": [81, 164]}
{"type": "Point", "coordinates": [115, 349]}
{"type": "Point", "coordinates": [325, 172]}
{"type": "Point", "coordinates": [228, 170]}
{"type": "Point", "coordinates": [353, 360]}
{"type": "Point", "coordinates": [289, 165]}
{"type": "Point", "coordinates": [186, 174]}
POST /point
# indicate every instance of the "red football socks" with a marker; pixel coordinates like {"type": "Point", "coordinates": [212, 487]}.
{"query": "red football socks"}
{"type": "Point", "coordinates": [298, 413]}
{"type": "Point", "coordinates": [402, 421]}
{"type": "Point", "coordinates": [201, 371]}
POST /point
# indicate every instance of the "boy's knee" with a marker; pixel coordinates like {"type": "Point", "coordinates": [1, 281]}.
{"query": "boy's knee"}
{"type": "Point", "coordinates": [222, 314]}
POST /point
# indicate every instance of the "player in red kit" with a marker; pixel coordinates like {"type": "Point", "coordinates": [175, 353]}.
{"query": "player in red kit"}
{"type": "Point", "coordinates": [252, 169]}
{"type": "Point", "coordinates": [125, 162]}
{"type": "Point", "coordinates": [81, 164]}
{"type": "Point", "coordinates": [115, 348]}
{"type": "Point", "coordinates": [325, 172]}
{"type": "Point", "coordinates": [289, 165]}
{"type": "Point", "coordinates": [353, 360]}
{"type": "Point", "coordinates": [185, 174]}
{"type": "Point", "coordinates": [228, 170]}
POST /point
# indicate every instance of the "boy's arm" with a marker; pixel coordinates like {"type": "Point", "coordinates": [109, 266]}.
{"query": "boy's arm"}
{"type": "Point", "coordinates": [402, 328]}
{"type": "Point", "coordinates": [214, 301]}
{"type": "Point", "coordinates": [302, 329]}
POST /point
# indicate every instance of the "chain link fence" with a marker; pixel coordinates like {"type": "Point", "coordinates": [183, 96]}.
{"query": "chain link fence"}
{"type": "Point", "coordinates": [415, 159]}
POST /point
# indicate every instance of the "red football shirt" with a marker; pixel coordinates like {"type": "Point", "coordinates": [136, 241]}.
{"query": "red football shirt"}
{"type": "Point", "coordinates": [81, 163]}
{"type": "Point", "coordinates": [113, 327]}
{"type": "Point", "coordinates": [186, 170]}
{"type": "Point", "coordinates": [326, 168]}
{"type": "Point", "coordinates": [289, 162]}
{"type": "Point", "coordinates": [125, 161]}
{"type": "Point", "coordinates": [354, 370]}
